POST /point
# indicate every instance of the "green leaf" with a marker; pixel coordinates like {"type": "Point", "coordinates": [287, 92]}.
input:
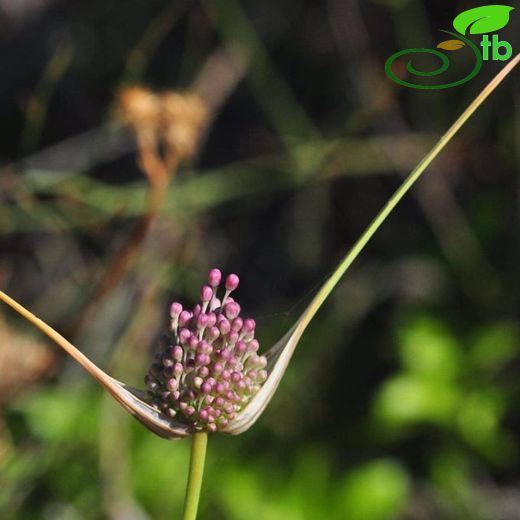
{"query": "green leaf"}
{"type": "Point", "coordinates": [428, 349]}
{"type": "Point", "coordinates": [451, 45]}
{"type": "Point", "coordinates": [481, 20]}
{"type": "Point", "coordinates": [408, 399]}
{"type": "Point", "coordinates": [494, 346]}
{"type": "Point", "coordinates": [377, 490]}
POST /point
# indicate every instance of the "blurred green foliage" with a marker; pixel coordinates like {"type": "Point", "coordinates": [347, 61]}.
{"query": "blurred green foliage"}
{"type": "Point", "coordinates": [451, 385]}
{"type": "Point", "coordinates": [63, 428]}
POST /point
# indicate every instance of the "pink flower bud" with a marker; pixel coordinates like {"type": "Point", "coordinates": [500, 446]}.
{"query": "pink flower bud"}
{"type": "Point", "coordinates": [232, 310]}
{"type": "Point", "coordinates": [175, 309]}
{"type": "Point", "coordinates": [184, 318]}
{"type": "Point", "coordinates": [232, 282]}
{"type": "Point", "coordinates": [214, 277]}
{"type": "Point", "coordinates": [206, 293]}
{"type": "Point", "coordinates": [249, 326]}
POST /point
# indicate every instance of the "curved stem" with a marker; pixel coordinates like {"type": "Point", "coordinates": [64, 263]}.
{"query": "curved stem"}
{"type": "Point", "coordinates": [356, 249]}
{"type": "Point", "coordinates": [280, 354]}
{"type": "Point", "coordinates": [55, 336]}
{"type": "Point", "coordinates": [198, 456]}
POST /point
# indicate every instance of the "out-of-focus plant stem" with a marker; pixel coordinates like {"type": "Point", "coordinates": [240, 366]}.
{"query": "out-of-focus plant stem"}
{"type": "Point", "coordinates": [139, 57]}
{"type": "Point", "coordinates": [114, 425]}
{"type": "Point", "coordinates": [38, 104]}
{"type": "Point", "coordinates": [198, 456]}
{"type": "Point", "coordinates": [159, 176]}
{"type": "Point", "coordinates": [123, 259]}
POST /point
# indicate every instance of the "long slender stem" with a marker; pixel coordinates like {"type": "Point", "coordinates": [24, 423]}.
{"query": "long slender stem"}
{"type": "Point", "coordinates": [356, 249]}
{"type": "Point", "coordinates": [280, 354]}
{"type": "Point", "coordinates": [198, 456]}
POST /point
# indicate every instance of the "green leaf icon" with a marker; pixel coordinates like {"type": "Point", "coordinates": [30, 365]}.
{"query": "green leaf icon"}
{"type": "Point", "coordinates": [481, 20]}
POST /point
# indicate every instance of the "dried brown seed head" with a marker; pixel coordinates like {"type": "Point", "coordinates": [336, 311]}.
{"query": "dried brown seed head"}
{"type": "Point", "coordinates": [140, 109]}
{"type": "Point", "coordinates": [183, 117]}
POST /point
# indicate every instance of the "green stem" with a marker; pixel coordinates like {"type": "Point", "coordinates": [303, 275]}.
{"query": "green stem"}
{"type": "Point", "coordinates": [198, 456]}
{"type": "Point", "coordinates": [349, 258]}
{"type": "Point", "coordinates": [39, 101]}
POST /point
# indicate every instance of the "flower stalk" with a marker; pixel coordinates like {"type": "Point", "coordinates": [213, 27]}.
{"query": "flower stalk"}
{"type": "Point", "coordinates": [199, 444]}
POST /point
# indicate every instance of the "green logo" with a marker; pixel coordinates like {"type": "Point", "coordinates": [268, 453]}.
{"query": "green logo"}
{"type": "Point", "coordinates": [480, 20]}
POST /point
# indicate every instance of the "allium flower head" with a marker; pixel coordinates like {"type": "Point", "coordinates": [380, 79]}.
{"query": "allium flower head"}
{"type": "Point", "coordinates": [209, 369]}
{"type": "Point", "coordinates": [209, 375]}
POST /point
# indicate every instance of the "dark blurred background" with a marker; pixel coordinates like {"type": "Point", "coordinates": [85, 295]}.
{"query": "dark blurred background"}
{"type": "Point", "coordinates": [401, 400]}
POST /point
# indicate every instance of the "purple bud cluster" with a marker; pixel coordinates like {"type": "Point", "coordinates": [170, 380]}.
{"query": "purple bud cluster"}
{"type": "Point", "coordinates": [210, 368]}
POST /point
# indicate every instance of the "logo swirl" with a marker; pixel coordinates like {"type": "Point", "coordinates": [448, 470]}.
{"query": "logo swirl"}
{"type": "Point", "coordinates": [443, 67]}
